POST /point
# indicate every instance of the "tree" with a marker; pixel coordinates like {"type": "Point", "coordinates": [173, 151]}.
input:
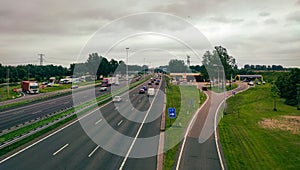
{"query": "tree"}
{"type": "Point", "coordinates": [275, 94]}
{"type": "Point", "coordinates": [227, 61]}
{"type": "Point", "coordinates": [177, 66]}
{"type": "Point", "coordinates": [287, 84]}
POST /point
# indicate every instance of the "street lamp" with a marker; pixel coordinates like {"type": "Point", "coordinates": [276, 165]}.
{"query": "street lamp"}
{"type": "Point", "coordinates": [127, 63]}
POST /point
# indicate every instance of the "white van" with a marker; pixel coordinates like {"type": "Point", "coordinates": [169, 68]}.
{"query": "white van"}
{"type": "Point", "coordinates": [151, 92]}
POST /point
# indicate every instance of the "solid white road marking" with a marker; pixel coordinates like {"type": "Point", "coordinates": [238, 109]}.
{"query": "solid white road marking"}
{"type": "Point", "coordinates": [120, 122]}
{"type": "Point", "coordinates": [98, 121]}
{"type": "Point", "coordinates": [66, 145]}
{"type": "Point", "coordinates": [132, 108]}
{"type": "Point", "coordinates": [93, 151]}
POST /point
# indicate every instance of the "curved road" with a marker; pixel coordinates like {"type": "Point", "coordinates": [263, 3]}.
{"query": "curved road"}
{"type": "Point", "coordinates": [200, 150]}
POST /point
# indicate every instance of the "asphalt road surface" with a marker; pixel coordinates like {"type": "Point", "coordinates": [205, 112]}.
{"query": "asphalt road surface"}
{"type": "Point", "coordinates": [200, 150]}
{"type": "Point", "coordinates": [15, 116]}
{"type": "Point", "coordinates": [71, 147]}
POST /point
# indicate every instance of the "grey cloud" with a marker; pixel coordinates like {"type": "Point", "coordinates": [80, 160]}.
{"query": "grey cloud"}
{"type": "Point", "coordinates": [270, 21]}
{"type": "Point", "coordinates": [295, 16]}
{"type": "Point", "coordinates": [264, 14]}
{"type": "Point", "coordinates": [223, 19]}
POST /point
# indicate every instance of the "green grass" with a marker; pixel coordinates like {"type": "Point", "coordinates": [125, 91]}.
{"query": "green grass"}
{"type": "Point", "coordinates": [4, 93]}
{"type": "Point", "coordinates": [54, 88]}
{"type": "Point", "coordinates": [246, 144]}
{"type": "Point", "coordinates": [186, 100]}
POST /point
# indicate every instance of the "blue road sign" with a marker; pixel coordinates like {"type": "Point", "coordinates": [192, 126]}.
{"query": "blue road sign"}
{"type": "Point", "coordinates": [172, 112]}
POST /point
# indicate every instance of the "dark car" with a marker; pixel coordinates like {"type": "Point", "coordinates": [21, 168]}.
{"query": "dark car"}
{"type": "Point", "coordinates": [145, 88]}
{"type": "Point", "coordinates": [150, 83]}
{"type": "Point", "coordinates": [204, 88]}
{"type": "Point", "coordinates": [157, 83]}
{"type": "Point", "coordinates": [142, 91]}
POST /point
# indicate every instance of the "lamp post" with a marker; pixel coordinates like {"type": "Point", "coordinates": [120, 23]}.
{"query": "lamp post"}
{"type": "Point", "coordinates": [127, 63]}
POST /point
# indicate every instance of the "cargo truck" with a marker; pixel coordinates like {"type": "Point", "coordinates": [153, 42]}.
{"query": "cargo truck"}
{"type": "Point", "coordinates": [30, 87]}
{"type": "Point", "coordinates": [106, 82]}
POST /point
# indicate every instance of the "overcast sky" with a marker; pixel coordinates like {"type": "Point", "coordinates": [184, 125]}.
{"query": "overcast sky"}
{"type": "Point", "coordinates": [254, 32]}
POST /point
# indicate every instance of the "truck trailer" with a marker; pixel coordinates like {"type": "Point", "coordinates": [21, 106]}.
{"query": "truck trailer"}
{"type": "Point", "coordinates": [106, 82]}
{"type": "Point", "coordinates": [30, 87]}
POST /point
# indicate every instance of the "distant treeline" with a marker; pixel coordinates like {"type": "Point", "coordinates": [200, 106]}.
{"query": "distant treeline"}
{"type": "Point", "coordinates": [95, 65]}
{"type": "Point", "coordinates": [264, 67]}
{"type": "Point", "coordinates": [31, 72]}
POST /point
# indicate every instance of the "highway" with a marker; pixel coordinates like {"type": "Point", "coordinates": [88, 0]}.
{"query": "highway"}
{"type": "Point", "coordinates": [200, 149]}
{"type": "Point", "coordinates": [15, 116]}
{"type": "Point", "coordinates": [72, 148]}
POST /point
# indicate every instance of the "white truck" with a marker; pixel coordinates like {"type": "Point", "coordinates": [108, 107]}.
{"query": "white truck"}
{"type": "Point", "coordinates": [30, 87]}
{"type": "Point", "coordinates": [151, 92]}
{"type": "Point", "coordinates": [115, 81]}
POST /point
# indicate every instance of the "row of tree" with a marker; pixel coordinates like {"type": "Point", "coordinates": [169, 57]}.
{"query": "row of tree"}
{"type": "Point", "coordinates": [95, 65]}
{"type": "Point", "coordinates": [289, 87]}
{"type": "Point", "coordinates": [264, 67]}
{"type": "Point", "coordinates": [31, 72]}
{"type": "Point", "coordinates": [100, 66]}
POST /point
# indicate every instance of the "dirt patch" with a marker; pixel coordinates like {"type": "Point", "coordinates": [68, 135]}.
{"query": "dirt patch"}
{"type": "Point", "coordinates": [286, 123]}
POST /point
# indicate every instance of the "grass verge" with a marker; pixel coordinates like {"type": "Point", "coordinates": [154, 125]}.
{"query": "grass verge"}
{"type": "Point", "coordinates": [247, 144]}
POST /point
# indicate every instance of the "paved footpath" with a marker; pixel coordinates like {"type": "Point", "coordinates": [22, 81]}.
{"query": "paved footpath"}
{"type": "Point", "coordinates": [199, 150]}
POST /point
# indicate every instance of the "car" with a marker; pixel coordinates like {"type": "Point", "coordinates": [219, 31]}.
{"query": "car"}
{"type": "Point", "coordinates": [251, 83]}
{"type": "Point", "coordinates": [149, 83]}
{"type": "Point", "coordinates": [142, 91]}
{"type": "Point", "coordinates": [145, 88]}
{"type": "Point", "coordinates": [49, 84]}
{"type": "Point", "coordinates": [157, 83]}
{"type": "Point", "coordinates": [263, 82]}
{"type": "Point", "coordinates": [74, 87]}
{"type": "Point", "coordinates": [103, 89]}
{"type": "Point", "coordinates": [204, 88]}
{"type": "Point", "coordinates": [258, 83]}
{"type": "Point", "coordinates": [117, 99]}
